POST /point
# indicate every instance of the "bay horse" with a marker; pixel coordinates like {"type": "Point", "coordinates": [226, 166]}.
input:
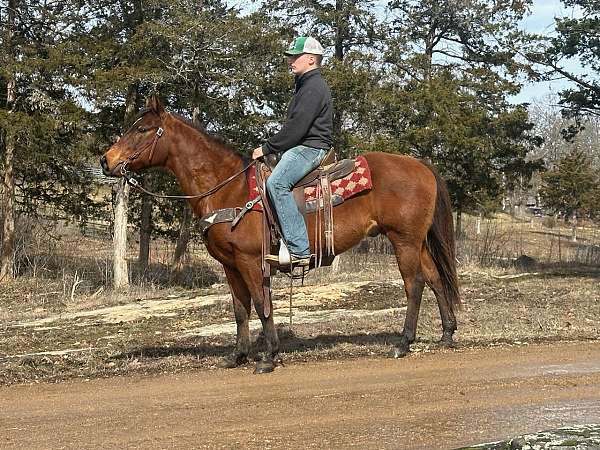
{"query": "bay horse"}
{"type": "Point", "coordinates": [409, 203]}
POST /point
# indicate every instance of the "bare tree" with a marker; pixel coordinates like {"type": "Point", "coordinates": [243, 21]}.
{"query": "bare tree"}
{"type": "Point", "coordinates": [8, 197]}
{"type": "Point", "coordinates": [120, 267]}
{"type": "Point", "coordinates": [145, 232]}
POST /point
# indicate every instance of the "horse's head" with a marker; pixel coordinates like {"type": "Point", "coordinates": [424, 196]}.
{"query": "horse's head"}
{"type": "Point", "coordinates": [140, 146]}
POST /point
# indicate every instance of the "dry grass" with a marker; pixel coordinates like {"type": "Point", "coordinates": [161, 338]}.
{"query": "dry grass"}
{"type": "Point", "coordinates": [557, 301]}
{"type": "Point", "coordinates": [503, 239]}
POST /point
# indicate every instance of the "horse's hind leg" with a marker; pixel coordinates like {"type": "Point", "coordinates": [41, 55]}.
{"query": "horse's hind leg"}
{"type": "Point", "coordinates": [409, 263]}
{"type": "Point", "coordinates": [241, 307]}
{"type": "Point", "coordinates": [433, 280]}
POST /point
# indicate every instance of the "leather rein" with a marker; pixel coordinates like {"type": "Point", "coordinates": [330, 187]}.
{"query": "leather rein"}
{"type": "Point", "coordinates": [135, 183]}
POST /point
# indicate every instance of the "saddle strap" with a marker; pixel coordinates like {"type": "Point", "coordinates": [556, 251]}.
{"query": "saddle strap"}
{"type": "Point", "coordinates": [328, 216]}
{"type": "Point", "coordinates": [215, 217]}
{"type": "Point", "coordinates": [266, 268]}
{"type": "Point", "coordinates": [324, 226]}
{"type": "Point", "coordinates": [275, 230]}
{"type": "Point", "coordinates": [268, 230]}
{"type": "Point", "coordinates": [247, 207]}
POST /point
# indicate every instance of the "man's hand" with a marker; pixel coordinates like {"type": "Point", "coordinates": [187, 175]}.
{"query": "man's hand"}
{"type": "Point", "coordinates": [257, 153]}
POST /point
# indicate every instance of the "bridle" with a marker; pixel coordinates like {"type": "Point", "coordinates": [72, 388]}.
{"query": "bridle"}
{"type": "Point", "coordinates": [159, 132]}
{"type": "Point", "coordinates": [152, 146]}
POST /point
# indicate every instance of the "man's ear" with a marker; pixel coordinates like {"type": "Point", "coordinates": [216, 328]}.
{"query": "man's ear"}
{"type": "Point", "coordinates": [155, 104]}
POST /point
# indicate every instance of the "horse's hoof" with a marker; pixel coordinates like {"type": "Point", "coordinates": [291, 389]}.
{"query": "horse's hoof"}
{"type": "Point", "coordinates": [264, 366]}
{"type": "Point", "coordinates": [446, 343]}
{"type": "Point", "coordinates": [399, 352]}
{"type": "Point", "coordinates": [232, 361]}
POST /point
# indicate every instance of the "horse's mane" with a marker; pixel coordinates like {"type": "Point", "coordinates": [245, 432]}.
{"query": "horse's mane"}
{"type": "Point", "coordinates": [213, 139]}
{"type": "Point", "coordinates": [219, 141]}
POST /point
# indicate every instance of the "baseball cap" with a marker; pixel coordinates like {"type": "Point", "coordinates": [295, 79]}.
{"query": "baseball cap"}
{"type": "Point", "coordinates": [304, 44]}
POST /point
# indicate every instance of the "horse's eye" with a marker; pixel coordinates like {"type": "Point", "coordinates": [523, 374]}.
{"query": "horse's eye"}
{"type": "Point", "coordinates": [142, 129]}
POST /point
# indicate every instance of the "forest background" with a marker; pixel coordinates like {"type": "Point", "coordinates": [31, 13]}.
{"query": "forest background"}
{"type": "Point", "coordinates": [430, 79]}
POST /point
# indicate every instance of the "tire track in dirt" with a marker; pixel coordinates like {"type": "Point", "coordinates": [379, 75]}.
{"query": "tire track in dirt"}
{"type": "Point", "coordinates": [427, 401]}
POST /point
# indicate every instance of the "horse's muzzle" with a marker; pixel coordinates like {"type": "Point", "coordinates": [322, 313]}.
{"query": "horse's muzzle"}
{"type": "Point", "coordinates": [104, 165]}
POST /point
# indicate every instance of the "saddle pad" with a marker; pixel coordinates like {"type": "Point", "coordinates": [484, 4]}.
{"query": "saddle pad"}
{"type": "Point", "coordinates": [357, 181]}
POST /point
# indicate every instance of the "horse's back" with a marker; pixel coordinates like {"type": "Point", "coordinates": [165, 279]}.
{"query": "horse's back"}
{"type": "Point", "coordinates": [399, 170]}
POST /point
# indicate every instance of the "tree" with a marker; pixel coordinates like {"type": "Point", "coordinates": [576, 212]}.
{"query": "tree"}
{"type": "Point", "coordinates": [8, 186]}
{"type": "Point", "coordinates": [114, 61]}
{"type": "Point", "coordinates": [572, 187]}
{"type": "Point", "coordinates": [452, 71]}
{"type": "Point", "coordinates": [576, 38]}
{"type": "Point", "coordinates": [430, 79]}
{"type": "Point", "coordinates": [204, 58]}
{"type": "Point", "coordinates": [43, 128]}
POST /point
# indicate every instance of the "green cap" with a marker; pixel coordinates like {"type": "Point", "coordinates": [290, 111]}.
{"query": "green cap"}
{"type": "Point", "coordinates": [304, 44]}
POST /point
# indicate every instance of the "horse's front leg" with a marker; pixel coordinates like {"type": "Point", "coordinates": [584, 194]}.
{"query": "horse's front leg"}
{"type": "Point", "coordinates": [252, 274]}
{"type": "Point", "coordinates": [241, 307]}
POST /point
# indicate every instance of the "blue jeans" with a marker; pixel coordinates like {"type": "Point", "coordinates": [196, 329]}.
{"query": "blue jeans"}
{"type": "Point", "coordinates": [295, 164]}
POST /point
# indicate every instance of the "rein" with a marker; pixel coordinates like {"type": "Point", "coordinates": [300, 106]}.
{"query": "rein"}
{"type": "Point", "coordinates": [135, 183]}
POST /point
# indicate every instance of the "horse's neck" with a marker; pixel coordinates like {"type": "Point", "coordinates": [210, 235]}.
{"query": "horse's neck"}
{"type": "Point", "coordinates": [201, 164]}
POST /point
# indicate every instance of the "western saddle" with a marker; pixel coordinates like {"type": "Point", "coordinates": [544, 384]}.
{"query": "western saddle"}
{"type": "Point", "coordinates": [320, 179]}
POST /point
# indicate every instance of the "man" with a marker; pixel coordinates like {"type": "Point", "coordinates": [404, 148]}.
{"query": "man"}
{"type": "Point", "coordinates": [304, 140]}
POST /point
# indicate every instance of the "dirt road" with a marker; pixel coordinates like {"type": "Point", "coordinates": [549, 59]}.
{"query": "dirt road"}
{"type": "Point", "coordinates": [444, 399]}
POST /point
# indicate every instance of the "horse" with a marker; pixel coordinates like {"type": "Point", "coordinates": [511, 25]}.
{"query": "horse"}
{"type": "Point", "coordinates": [408, 202]}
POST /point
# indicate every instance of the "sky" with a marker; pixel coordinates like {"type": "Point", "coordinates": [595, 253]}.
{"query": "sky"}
{"type": "Point", "coordinates": [541, 21]}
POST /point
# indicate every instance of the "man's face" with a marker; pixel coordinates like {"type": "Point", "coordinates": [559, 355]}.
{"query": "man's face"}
{"type": "Point", "coordinates": [300, 64]}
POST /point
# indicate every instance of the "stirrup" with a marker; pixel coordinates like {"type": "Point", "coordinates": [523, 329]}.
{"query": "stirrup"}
{"type": "Point", "coordinates": [295, 260]}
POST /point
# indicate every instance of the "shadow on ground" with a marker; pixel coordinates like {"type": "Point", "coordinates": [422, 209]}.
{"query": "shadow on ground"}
{"type": "Point", "coordinates": [290, 344]}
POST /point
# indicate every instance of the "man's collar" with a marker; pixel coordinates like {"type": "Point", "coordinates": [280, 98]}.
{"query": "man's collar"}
{"type": "Point", "coordinates": [301, 78]}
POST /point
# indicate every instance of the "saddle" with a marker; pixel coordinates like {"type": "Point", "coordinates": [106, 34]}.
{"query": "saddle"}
{"type": "Point", "coordinates": [319, 180]}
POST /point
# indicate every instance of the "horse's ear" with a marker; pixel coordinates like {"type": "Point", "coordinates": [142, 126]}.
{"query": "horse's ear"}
{"type": "Point", "coordinates": [155, 104]}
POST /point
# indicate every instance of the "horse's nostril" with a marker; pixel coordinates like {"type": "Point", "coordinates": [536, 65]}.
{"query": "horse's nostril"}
{"type": "Point", "coordinates": [104, 164]}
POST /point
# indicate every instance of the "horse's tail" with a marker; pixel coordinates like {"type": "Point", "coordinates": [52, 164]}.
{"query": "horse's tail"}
{"type": "Point", "coordinates": [441, 244]}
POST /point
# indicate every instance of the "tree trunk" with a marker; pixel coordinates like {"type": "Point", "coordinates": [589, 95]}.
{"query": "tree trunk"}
{"type": "Point", "coordinates": [341, 35]}
{"type": "Point", "coordinates": [574, 229]}
{"type": "Point", "coordinates": [341, 29]}
{"type": "Point", "coordinates": [120, 267]}
{"type": "Point", "coordinates": [559, 246]}
{"type": "Point", "coordinates": [7, 255]}
{"type": "Point", "coordinates": [182, 243]}
{"type": "Point", "coordinates": [458, 228]}
{"type": "Point", "coordinates": [196, 113]}
{"type": "Point", "coordinates": [7, 252]}
{"type": "Point", "coordinates": [145, 232]}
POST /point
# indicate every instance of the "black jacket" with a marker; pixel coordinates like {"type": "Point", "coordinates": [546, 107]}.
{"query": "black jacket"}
{"type": "Point", "coordinates": [309, 116]}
